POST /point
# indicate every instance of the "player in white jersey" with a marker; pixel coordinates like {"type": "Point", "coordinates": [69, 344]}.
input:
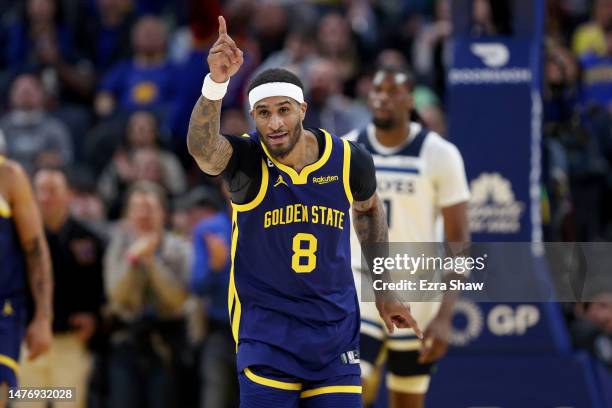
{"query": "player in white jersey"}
{"type": "Point", "coordinates": [421, 180]}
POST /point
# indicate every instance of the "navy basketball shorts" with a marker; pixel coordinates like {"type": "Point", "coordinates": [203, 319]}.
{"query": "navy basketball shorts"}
{"type": "Point", "coordinates": [264, 387]}
{"type": "Point", "coordinates": [12, 328]}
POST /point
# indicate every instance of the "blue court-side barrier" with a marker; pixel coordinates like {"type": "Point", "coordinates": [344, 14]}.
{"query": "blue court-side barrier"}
{"type": "Point", "coordinates": [511, 381]}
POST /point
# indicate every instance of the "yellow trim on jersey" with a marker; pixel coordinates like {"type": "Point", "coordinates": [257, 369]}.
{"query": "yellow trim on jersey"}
{"type": "Point", "coordinates": [260, 195]}
{"type": "Point", "coordinates": [246, 135]}
{"type": "Point", "coordinates": [10, 363]}
{"type": "Point", "coordinates": [232, 296]}
{"type": "Point", "coordinates": [332, 389]}
{"type": "Point", "coordinates": [346, 171]}
{"type": "Point", "coordinates": [5, 208]}
{"type": "Point", "coordinates": [302, 176]}
{"type": "Point", "coordinates": [271, 383]}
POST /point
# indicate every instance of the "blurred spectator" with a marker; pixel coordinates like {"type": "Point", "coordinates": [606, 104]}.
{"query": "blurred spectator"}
{"type": "Point", "coordinates": [597, 75]}
{"type": "Point", "coordinates": [147, 80]}
{"type": "Point", "coordinates": [297, 54]}
{"type": "Point", "coordinates": [335, 43]}
{"type": "Point", "coordinates": [431, 50]}
{"type": "Point", "coordinates": [38, 26]}
{"type": "Point", "coordinates": [328, 108]}
{"type": "Point", "coordinates": [76, 254]}
{"type": "Point", "coordinates": [32, 135]}
{"type": "Point", "coordinates": [561, 74]}
{"type": "Point", "coordinates": [559, 97]}
{"type": "Point", "coordinates": [592, 330]}
{"type": "Point", "coordinates": [589, 37]}
{"type": "Point", "coordinates": [491, 18]}
{"type": "Point", "coordinates": [210, 279]}
{"type": "Point", "coordinates": [146, 274]}
{"type": "Point", "coordinates": [40, 41]}
{"type": "Point", "coordinates": [575, 168]}
{"type": "Point", "coordinates": [107, 36]}
{"type": "Point", "coordinates": [86, 203]}
{"type": "Point", "coordinates": [269, 22]}
{"type": "Point", "coordinates": [141, 158]}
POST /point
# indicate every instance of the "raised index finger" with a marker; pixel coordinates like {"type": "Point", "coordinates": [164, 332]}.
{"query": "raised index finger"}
{"type": "Point", "coordinates": [222, 26]}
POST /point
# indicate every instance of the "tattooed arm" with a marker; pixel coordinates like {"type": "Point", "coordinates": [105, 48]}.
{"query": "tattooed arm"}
{"type": "Point", "coordinates": [212, 151]}
{"type": "Point", "coordinates": [370, 224]}
{"type": "Point", "coordinates": [32, 238]}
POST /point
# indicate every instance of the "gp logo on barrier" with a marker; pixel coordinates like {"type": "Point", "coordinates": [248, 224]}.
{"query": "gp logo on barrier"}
{"type": "Point", "coordinates": [502, 320]}
{"type": "Point", "coordinates": [493, 55]}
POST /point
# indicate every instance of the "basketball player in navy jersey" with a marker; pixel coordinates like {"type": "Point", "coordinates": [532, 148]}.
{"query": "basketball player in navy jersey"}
{"type": "Point", "coordinates": [24, 258]}
{"type": "Point", "coordinates": [292, 300]}
{"type": "Point", "coordinates": [421, 180]}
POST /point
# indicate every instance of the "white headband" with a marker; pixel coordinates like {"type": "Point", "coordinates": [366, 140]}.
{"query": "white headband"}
{"type": "Point", "coordinates": [275, 89]}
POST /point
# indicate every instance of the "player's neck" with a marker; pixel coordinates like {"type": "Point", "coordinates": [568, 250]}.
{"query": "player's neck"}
{"type": "Point", "coordinates": [305, 152]}
{"type": "Point", "coordinates": [395, 136]}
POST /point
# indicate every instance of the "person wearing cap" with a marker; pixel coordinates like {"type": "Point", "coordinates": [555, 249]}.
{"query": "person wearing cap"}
{"type": "Point", "coordinates": [292, 299]}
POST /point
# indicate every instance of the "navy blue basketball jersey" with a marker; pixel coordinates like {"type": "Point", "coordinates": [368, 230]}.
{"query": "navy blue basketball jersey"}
{"type": "Point", "coordinates": [12, 294]}
{"type": "Point", "coordinates": [292, 299]}
{"type": "Point", "coordinates": [12, 261]}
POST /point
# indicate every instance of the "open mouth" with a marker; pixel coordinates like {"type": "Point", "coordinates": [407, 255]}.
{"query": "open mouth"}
{"type": "Point", "coordinates": [277, 138]}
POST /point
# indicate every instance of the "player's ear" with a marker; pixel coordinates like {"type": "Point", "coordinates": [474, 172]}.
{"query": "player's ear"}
{"type": "Point", "coordinates": [303, 108]}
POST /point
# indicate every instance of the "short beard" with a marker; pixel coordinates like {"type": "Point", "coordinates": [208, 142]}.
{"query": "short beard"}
{"type": "Point", "coordinates": [279, 153]}
{"type": "Point", "coordinates": [385, 124]}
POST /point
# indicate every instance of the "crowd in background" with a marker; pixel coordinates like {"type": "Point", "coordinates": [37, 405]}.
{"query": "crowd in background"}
{"type": "Point", "coordinates": [95, 100]}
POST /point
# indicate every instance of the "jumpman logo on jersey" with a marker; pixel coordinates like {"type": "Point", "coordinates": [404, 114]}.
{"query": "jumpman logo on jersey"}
{"type": "Point", "coordinates": [7, 310]}
{"type": "Point", "coordinates": [280, 181]}
{"type": "Point", "coordinates": [5, 208]}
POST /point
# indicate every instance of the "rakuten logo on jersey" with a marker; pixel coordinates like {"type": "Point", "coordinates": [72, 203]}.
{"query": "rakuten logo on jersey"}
{"type": "Point", "coordinates": [493, 207]}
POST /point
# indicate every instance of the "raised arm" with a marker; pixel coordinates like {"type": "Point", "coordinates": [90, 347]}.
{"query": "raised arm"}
{"type": "Point", "coordinates": [210, 150]}
{"type": "Point", "coordinates": [31, 235]}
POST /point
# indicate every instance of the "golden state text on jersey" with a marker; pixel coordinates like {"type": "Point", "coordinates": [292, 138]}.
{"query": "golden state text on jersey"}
{"type": "Point", "coordinates": [292, 298]}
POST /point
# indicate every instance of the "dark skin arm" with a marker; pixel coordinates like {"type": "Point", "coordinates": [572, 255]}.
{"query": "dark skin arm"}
{"type": "Point", "coordinates": [210, 150]}
{"type": "Point", "coordinates": [31, 235]}
{"type": "Point", "coordinates": [369, 221]}
{"type": "Point", "coordinates": [456, 228]}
